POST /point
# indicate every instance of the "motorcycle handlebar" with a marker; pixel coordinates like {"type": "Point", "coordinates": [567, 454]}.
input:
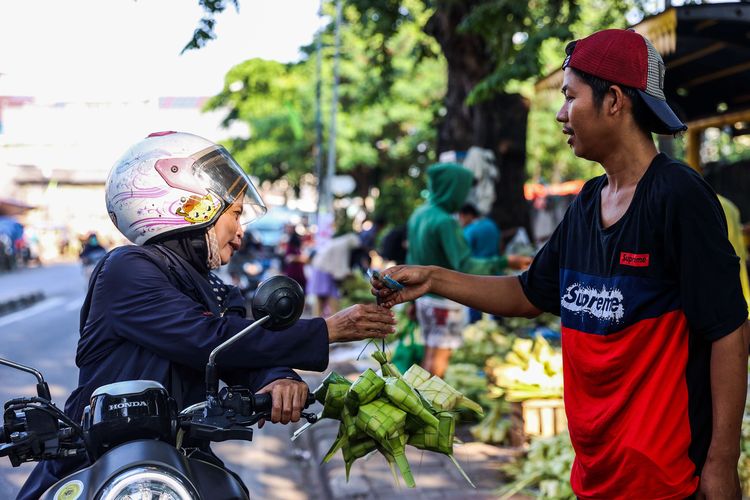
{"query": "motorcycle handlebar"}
{"type": "Point", "coordinates": [257, 403]}
{"type": "Point", "coordinates": [263, 402]}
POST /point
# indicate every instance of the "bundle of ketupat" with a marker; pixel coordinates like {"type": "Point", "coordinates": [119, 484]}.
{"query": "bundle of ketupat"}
{"type": "Point", "coordinates": [386, 412]}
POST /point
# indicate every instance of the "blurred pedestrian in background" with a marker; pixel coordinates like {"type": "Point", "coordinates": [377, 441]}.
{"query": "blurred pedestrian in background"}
{"type": "Point", "coordinates": [247, 252]}
{"type": "Point", "coordinates": [481, 233]}
{"type": "Point", "coordinates": [436, 239]}
{"type": "Point", "coordinates": [294, 260]}
{"type": "Point", "coordinates": [330, 265]}
{"type": "Point", "coordinates": [369, 237]}
{"type": "Point", "coordinates": [483, 237]}
{"type": "Point", "coordinates": [91, 253]}
{"type": "Point", "coordinates": [393, 245]}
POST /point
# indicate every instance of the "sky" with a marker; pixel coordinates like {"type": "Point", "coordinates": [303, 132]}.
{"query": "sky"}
{"type": "Point", "coordinates": [130, 49]}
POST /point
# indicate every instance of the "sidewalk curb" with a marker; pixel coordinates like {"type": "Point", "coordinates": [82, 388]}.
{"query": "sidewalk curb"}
{"type": "Point", "coordinates": [22, 301]}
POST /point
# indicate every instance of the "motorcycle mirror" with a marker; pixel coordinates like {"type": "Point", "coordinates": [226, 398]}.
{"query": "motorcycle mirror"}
{"type": "Point", "coordinates": [42, 389]}
{"type": "Point", "coordinates": [282, 299]}
{"type": "Point", "coordinates": [277, 304]}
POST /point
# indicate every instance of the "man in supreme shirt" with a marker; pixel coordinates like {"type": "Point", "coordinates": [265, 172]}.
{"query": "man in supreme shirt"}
{"type": "Point", "coordinates": [647, 286]}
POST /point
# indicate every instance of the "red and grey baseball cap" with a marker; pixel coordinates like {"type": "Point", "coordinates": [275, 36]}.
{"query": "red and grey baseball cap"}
{"type": "Point", "coordinates": [626, 58]}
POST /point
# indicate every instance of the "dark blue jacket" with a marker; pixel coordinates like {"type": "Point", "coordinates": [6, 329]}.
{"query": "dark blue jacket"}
{"type": "Point", "coordinates": [144, 318]}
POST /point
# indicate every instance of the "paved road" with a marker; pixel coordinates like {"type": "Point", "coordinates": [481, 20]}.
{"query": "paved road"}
{"type": "Point", "coordinates": [43, 336]}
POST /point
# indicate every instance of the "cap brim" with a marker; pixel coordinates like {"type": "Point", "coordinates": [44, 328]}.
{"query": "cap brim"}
{"type": "Point", "coordinates": [668, 123]}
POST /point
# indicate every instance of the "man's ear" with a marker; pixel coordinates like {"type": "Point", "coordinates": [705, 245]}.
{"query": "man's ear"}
{"type": "Point", "coordinates": [615, 100]}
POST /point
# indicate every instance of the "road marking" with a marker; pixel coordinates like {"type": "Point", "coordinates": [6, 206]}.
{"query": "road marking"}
{"type": "Point", "coordinates": [31, 311]}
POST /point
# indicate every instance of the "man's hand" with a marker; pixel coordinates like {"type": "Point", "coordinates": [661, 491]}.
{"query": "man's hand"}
{"type": "Point", "coordinates": [289, 398]}
{"type": "Point", "coordinates": [360, 321]}
{"type": "Point", "coordinates": [416, 280]}
{"type": "Point", "coordinates": [719, 480]}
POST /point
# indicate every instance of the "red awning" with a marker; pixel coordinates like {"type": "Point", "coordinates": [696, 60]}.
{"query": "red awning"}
{"type": "Point", "coordinates": [532, 191]}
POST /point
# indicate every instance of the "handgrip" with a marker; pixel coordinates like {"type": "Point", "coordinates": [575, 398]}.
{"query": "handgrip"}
{"type": "Point", "coordinates": [263, 402]}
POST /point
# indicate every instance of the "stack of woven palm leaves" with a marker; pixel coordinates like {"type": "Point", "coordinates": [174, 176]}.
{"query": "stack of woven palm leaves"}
{"type": "Point", "coordinates": [387, 411]}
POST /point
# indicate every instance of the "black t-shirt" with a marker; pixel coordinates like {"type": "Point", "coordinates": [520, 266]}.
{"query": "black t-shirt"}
{"type": "Point", "coordinates": [640, 303]}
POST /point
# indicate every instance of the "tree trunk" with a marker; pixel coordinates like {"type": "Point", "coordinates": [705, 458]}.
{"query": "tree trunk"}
{"type": "Point", "coordinates": [498, 124]}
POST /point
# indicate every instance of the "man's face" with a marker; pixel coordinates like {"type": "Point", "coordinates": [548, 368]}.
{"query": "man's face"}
{"type": "Point", "coordinates": [229, 231]}
{"type": "Point", "coordinates": [464, 219]}
{"type": "Point", "coordinates": [582, 121]}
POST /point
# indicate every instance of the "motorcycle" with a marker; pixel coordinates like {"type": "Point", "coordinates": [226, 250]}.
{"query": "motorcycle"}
{"type": "Point", "coordinates": [138, 445]}
{"type": "Point", "coordinates": [89, 261]}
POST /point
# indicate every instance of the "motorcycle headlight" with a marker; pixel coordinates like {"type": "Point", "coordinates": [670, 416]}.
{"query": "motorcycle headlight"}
{"type": "Point", "coordinates": [146, 483]}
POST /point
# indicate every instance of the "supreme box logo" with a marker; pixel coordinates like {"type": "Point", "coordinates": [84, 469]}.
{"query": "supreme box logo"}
{"type": "Point", "coordinates": [634, 259]}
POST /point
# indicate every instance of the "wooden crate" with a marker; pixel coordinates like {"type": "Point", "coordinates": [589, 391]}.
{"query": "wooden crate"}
{"type": "Point", "coordinates": [543, 417]}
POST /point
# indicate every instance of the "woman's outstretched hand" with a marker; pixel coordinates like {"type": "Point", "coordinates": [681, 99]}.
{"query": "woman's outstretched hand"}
{"type": "Point", "coordinates": [417, 281]}
{"type": "Point", "coordinates": [360, 321]}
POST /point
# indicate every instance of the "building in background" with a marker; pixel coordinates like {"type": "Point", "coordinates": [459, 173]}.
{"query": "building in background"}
{"type": "Point", "coordinates": [55, 157]}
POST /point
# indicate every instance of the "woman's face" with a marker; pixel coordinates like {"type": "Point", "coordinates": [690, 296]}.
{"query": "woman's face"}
{"type": "Point", "coordinates": [229, 231]}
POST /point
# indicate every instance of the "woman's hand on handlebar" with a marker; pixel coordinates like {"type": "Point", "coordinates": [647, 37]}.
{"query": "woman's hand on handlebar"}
{"type": "Point", "coordinates": [360, 321]}
{"type": "Point", "coordinates": [289, 398]}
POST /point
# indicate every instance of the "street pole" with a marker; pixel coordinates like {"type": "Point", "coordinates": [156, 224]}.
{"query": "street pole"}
{"type": "Point", "coordinates": [334, 106]}
{"type": "Point", "coordinates": [318, 119]}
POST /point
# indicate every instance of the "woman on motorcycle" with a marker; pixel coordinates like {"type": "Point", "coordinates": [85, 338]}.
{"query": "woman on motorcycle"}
{"type": "Point", "coordinates": [155, 311]}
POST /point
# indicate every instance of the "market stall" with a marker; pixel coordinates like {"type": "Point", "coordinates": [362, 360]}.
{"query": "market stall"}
{"type": "Point", "coordinates": [706, 51]}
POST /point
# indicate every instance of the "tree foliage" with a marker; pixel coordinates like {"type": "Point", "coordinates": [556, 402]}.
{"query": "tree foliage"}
{"type": "Point", "coordinates": [386, 118]}
{"type": "Point", "coordinates": [271, 98]}
{"type": "Point", "coordinates": [205, 30]}
{"type": "Point", "coordinates": [394, 79]}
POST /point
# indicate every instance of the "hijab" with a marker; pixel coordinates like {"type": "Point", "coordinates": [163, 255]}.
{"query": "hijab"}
{"type": "Point", "coordinates": [198, 247]}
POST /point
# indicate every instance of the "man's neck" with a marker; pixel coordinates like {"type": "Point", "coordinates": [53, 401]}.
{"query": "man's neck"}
{"type": "Point", "coordinates": [625, 165]}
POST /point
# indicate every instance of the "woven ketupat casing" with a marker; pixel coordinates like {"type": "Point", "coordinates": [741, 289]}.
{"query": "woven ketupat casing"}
{"type": "Point", "coordinates": [439, 438]}
{"type": "Point", "coordinates": [366, 388]}
{"type": "Point", "coordinates": [334, 401]}
{"type": "Point", "coordinates": [331, 378]}
{"type": "Point", "coordinates": [349, 424]}
{"type": "Point", "coordinates": [385, 423]}
{"type": "Point", "coordinates": [404, 397]}
{"type": "Point", "coordinates": [441, 395]}
{"type": "Point", "coordinates": [352, 450]}
{"type": "Point", "coordinates": [416, 376]}
{"type": "Point", "coordinates": [380, 420]}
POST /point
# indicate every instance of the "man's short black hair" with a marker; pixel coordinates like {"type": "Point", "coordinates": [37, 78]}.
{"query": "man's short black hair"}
{"type": "Point", "coordinates": [469, 209]}
{"type": "Point", "coordinates": [644, 118]}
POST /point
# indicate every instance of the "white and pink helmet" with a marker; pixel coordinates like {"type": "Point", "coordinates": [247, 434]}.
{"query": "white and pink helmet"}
{"type": "Point", "coordinates": [175, 181]}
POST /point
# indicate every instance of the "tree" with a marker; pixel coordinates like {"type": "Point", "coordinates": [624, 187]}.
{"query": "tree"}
{"type": "Point", "coordinates": [488, 44]}
{"type": "Point", "coordinates": [493, 50]}
{"type": "Point", "coordinates": [271, 98]}
{"type": "Point", "coordinates": [386, 122]}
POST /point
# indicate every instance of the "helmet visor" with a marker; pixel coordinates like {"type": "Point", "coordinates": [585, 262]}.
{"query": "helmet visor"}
{"type": "Point", "coordinates": [222, 176]}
